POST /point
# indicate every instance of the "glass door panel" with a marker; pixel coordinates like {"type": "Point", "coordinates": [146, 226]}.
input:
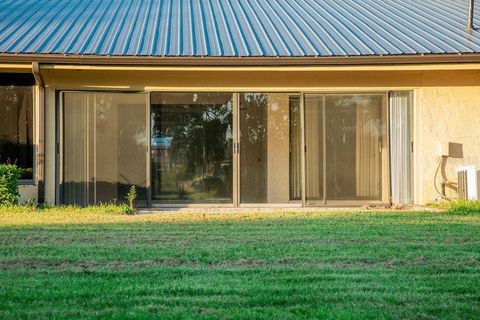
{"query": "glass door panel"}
{"type": "Point", "coordinates": [354, 145]}
{"type": "Point", "coordinates": [346, 147]}
{"type": "Point", "coordinates": [295, 146]}
{"type": "Point", "coordinates": [120, 146]}
{"type": "Point", "coordinates": [269, 125]}
{"type": "Point", "coordinates": [104, 147]}
{"type": "Point", "coordinates": [314, 164]}
{"type": "Point", "coordinates": [192, 144]}
{"type": "Point", "coordinates": [75, 126]}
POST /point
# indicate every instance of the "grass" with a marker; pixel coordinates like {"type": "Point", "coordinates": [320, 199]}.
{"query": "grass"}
{"type": "Point", "coordinates": [89, 263]}
{"type": "Point", "coordinates": [459, 206]}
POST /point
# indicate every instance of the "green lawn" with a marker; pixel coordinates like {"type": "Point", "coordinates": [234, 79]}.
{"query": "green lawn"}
{"type": "Point", "coordinates": [345, 265]}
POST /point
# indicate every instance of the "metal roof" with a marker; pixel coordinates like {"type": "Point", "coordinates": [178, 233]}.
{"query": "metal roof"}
{"type": "Point", "coordinates": [237, 28]}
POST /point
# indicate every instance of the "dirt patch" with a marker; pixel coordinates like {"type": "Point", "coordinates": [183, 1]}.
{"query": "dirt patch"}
{"type": "Point", "coordinates": [87, 265]}
{"type": "Point", "coordinates": [248, 263]}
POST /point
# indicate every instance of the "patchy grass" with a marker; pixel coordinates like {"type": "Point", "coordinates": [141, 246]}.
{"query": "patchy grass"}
{"type": "Point", "coordinates": [84, 263]}
{"type": "Point", "coordinates": [459, 206]}
{"type": "Point", "coordinates": [31, 214]}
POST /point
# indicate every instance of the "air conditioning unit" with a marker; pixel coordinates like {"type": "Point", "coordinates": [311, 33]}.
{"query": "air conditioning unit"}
{"type": "Point", "coordinates": [468, 183]}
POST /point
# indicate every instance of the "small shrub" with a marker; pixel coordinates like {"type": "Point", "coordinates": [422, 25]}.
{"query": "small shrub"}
{"type": "Point", "coordinates": [131, 196]}
{"type": "Point", "coordinates": [9, 175]}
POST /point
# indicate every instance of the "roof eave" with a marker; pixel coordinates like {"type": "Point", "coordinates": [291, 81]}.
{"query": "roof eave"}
{"type": "Point", "coordinates": [240, 61]}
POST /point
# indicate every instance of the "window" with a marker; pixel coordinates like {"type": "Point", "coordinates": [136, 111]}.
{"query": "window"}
{"type": "Point", "coordinates": [16, 122]}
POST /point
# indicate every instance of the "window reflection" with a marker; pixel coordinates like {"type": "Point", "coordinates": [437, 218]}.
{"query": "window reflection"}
{"type": "Point", "coordinates": [104, 147]}
{"type": "Point", "coordinates": [270, 138]}
{"type": "Point", "coordinates": [192, 138]}
{"type": "Point", "coordinates": [346, 146]}
{"type": "Point", "coordinates": [16, 122]}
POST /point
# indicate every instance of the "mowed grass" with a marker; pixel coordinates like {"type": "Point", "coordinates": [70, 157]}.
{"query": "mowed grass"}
{"type": "Point", "coordinates": [246, 265]}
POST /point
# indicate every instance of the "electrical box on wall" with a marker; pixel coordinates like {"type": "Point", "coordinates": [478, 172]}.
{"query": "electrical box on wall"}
{"type": "Point", "coordinates": [452, 150]}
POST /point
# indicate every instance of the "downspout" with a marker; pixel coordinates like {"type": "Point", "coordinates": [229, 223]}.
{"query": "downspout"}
{"type": "Point", "coordinates": [471, 10]}
{"type": "Point", "coordinates": [40, 172]}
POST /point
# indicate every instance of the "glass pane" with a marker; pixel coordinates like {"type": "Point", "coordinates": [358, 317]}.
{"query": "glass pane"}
{"type": "Point", "coordinates": [16, 124]}
{"type": "Point", "coordinates": [192, 137]}
{"type": "Point", "coordinates": [400, 149]}
{"type": "Point", "coordinates": [314, 147]}
{"type": "Point", "coordinates": [264, 139]}
{"type": "Point", "coordinates": [354, 143]}
{"type": "Point", "coordinates": [75, 149]}
{"type": "Point", "coordinates": [105, 146]}
{"type": "Point", "coordinates": [120, 146]}
{"type": "Point", "coordinates": [295, 149]}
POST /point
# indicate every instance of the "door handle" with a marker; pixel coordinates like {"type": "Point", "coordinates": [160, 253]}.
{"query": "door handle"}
{"type": "Point", "coordinates": [236, 147]}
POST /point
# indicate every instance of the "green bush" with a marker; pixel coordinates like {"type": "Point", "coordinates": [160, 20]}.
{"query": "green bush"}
{"type": "Point", "coordinates": [9, 175]}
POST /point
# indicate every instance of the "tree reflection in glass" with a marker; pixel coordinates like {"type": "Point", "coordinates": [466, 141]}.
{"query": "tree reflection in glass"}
{"type": "Point", "coordinates": [192, 147]}
{"type": "Point", "coordinates": [269, 157]}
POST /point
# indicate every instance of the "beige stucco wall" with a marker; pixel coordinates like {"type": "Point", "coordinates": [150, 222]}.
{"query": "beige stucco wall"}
{"type": "Point", "coordinates": [447, 103]}
{"type": "Point", "coordinates": [445, 114]}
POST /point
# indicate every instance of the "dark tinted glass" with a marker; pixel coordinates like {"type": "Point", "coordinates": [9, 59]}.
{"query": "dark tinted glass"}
{"type": "Point", "coordinates": [16, 122]}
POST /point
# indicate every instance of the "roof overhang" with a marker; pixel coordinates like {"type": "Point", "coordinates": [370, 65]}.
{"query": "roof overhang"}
{"type": "Point", "coordinates": [240, 61]}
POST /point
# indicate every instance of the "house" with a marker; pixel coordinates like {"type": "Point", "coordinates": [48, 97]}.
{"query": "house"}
{"type": "Point", "coordinates": [239, 102]}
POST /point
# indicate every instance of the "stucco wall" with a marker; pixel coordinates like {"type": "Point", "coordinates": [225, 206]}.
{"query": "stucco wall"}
{"type": "Point", "coordinates": [445, 114]}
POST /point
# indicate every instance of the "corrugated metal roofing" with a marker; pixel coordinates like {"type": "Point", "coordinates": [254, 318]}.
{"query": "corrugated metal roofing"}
{"type": "Point", "coordinates": [230, 28]}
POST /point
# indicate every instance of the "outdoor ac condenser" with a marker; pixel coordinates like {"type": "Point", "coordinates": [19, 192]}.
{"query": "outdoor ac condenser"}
{"type": "Point", "coordinates": [468, 183]}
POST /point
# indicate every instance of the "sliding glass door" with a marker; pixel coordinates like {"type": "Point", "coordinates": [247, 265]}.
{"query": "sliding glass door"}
{"type": "Point", "coordinates": [269, 148]}
{"type": "Point", "coordinates": [226, 149]}
{"type": "Point", "coordinates": [104, 147]}
{"type": "Point", "coordinates": [192, 148]}
{"type": "Point", "coordinates": [346, 148]}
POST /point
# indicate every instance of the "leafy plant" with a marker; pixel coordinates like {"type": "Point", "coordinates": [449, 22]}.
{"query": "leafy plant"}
{"type": "Point", "coordinates": [131, 196]}
{"type": "Point", "coordinates": [9, 175]}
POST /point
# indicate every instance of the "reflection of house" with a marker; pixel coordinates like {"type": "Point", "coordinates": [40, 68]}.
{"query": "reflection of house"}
{"type": "Point", "coordinates": [162, 150]}
{"type": "Point", "coordinates": [237, 103]}
{"type": "Point", "coordinates": [164, 143]}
